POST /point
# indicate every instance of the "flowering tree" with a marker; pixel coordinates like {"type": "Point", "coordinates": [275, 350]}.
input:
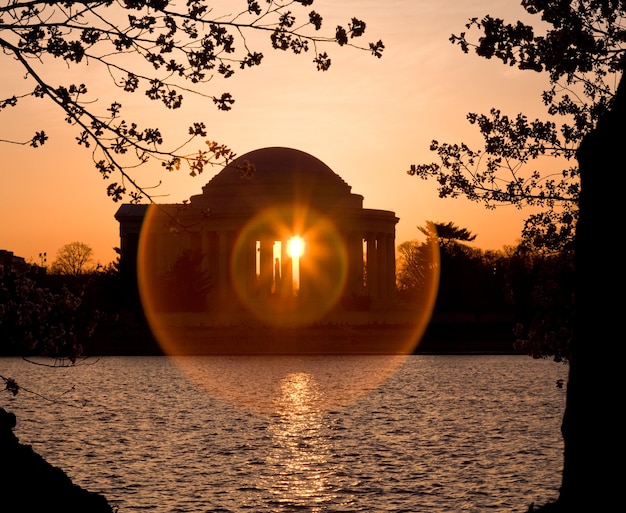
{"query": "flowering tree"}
{"type": "Point", "coordinates": [36, 319]}
{"type": "Point", "coordinates": [581, 47]}
{"type": "Point", "coordinates": [582, 53]}
{"type": "Point", "coordinates": [165, 50]}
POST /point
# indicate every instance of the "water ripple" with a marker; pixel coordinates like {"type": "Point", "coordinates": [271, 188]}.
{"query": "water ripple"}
{"type": "Point", "coordinates": [470, 434]}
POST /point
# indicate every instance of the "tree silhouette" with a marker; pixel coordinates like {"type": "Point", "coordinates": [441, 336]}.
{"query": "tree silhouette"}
{"type": "Point", "coordinates": [459, 266]}
{"type": "Point", "coordinates": [446, 233]}
{"type": "Point", "coordinates": [166, 50]}
{"type": "Point", "coordinates": [583, 53]}
{"type": "Point", "coordinates": [73, 258]}
{"type": "Point", "coordinates": [185, 285]}
{"type": "Point", "coordinates": [414, 265]}
{"type": "Point", "coordinates": [43, 316]}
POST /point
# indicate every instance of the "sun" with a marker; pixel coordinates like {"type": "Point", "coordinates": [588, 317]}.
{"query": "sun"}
{"type": "Point", "coordinates": [295, 247]}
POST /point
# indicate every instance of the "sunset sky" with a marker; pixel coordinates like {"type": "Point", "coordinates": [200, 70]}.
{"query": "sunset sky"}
{"type": "Point", "coordinates": [368, 119]}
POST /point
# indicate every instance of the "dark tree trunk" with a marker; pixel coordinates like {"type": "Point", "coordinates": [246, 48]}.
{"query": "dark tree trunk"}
{"type": "Point", "coordinates": [592, 429]}
{"type": "Point", "coordinates": [29, 484]}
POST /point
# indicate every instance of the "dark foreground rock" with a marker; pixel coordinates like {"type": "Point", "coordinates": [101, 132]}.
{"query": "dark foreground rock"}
{"type": "Point", "coordinates": [29, 484]}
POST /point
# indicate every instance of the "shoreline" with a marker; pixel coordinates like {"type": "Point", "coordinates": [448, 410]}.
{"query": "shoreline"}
{"type": "Point", "coordinates": [332, 339]}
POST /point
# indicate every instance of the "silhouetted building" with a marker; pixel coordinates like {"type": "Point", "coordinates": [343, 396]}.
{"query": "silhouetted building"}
{"type": "Point", "coordinates": [232, 239]}
{"type": "Point", "coordinates": [10, 262]}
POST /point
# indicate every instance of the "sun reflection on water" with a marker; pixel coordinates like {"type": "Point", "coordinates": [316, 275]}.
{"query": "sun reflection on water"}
{"type": "Point", "coordinates": [289, 387]}
{"type": "Point", "coordinates": [300, 452]}
{"type": "Point", "coordinates": [297, 397]}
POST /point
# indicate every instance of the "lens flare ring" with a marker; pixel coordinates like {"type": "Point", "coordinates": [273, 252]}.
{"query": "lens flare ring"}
{"type": "Point", "coordinates": [303, 287]}
{"type": "Point", "coordinates": [183, 326]}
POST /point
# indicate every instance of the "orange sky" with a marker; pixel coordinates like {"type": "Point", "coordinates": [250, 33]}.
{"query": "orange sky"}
{"type": "Point", "coordinates": [366, 118]}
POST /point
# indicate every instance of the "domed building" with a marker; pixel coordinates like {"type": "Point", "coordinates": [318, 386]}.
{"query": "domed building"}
{"type": "Point", "coordinates": [234, 245]}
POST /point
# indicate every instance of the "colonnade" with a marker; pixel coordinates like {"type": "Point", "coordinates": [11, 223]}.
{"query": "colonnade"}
{"type": "Point", "coordinates": [360, 260]}
{"type": "Point", "coordinates": [251, 265]}
{"type": "Point", "coordinates": [380, 270]}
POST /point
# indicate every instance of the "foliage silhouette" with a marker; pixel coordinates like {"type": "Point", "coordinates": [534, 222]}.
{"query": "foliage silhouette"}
{"type": "Point", "coordinates": [44, 314]}
{"type": "Point", "coordinates": [73, 258]}
{"type": "Point", "coordinates": [583, 53]}
{"type": "Point", "coordinates": [166, 50]}
{"type": "Point", "coordinates": [472, 281]}
{"type": "Point", "coordinates": [446, 233]}
{"type": "Point", "coordinates": [185, 286]}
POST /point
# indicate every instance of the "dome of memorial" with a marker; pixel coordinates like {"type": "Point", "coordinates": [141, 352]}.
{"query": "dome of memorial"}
{"type": "Point", "coordinates": [277, 175]}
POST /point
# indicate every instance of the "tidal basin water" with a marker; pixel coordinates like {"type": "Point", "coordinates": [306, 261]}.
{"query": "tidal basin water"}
{"type": "Point", "coordinates": [436, 434]}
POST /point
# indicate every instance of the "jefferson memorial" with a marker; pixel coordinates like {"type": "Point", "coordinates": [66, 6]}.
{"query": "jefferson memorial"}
{"type": "Point", "coordinates": [276, 233]}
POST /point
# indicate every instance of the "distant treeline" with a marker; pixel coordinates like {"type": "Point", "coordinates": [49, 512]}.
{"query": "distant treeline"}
{"type": "Point", "coordinates": [486, 300]}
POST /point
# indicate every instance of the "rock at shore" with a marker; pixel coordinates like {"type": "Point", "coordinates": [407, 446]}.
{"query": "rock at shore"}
{"type": "Point", "coordinates": [29, 484]}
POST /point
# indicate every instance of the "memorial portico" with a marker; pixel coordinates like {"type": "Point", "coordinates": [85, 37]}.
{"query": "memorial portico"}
{"type": "Point", "coordinates": [235, 234]}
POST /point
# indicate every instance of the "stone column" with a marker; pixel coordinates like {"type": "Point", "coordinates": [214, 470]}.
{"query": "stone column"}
{"type": "Point", "coordinates": [209, 248]}
{"type": "Point", "coordinates": [223, 265]}
{"type": "Point", "coordinates": [205, 249]}
{"type": "Point", "coordinates": [354, 242]}
{"type": "Point", "coordinates": [214, 260]}
{"type": "Point", "coordinates": [303, 274]}
{"type": "Point", "coordinates": [244, 272]}
{"type": "Point", "coordinates": [391, 265]}
{"type": "Point", "coordinates": [286, 271]}
{"type": "Point", "coordinates": [266, 265]}
{"type": "Point", "coordinates": [372, 265]}
{"type": "Point", "coordinates": [381, 267]}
